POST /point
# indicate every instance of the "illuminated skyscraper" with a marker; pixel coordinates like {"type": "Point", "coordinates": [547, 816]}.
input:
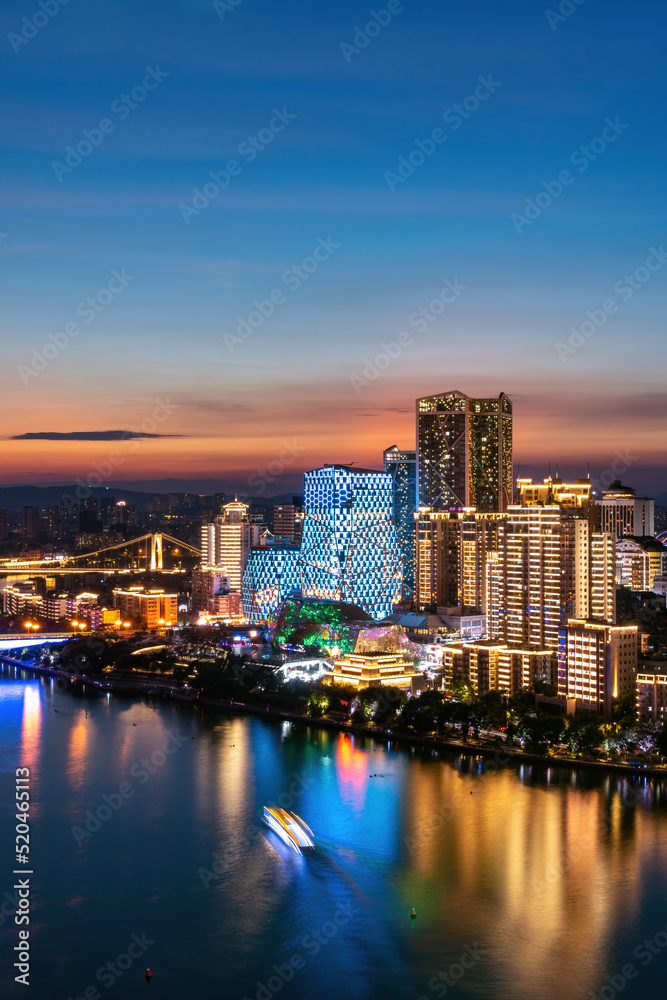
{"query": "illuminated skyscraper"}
{"type": "Point", "coordinates": [226, 542]}
{"type": "Point", "coordinates": [350, 548]}
{"type": "Point", "coordinates": [402, 467]}
{"type": "Point", "coordinates": [464, 452]}
{"type": "Point", "coordinates": [271, 574]}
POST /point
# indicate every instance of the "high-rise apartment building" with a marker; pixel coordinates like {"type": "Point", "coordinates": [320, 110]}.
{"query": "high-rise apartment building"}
{"type": "Point", "coordinates": [452, 550]}
{"type": "Point", "coordinates": [4, 525]}
{"type": "Point", "coordinates": [284, 520]}
{"type": "Point", "coordinates": [464, 452]}
{"type": "Point", "coordinates": [350, 549]}
{"type": "Point", "coordinates": [624, 513]}
{"type": "Point", "coordinates": [29, 524]}
{"type": "Point", "coordinates": [227, 540]}
{"type": "Point", "coordinates": [549, 566]}
{"type": "Point", "coordinates": [402, 467]}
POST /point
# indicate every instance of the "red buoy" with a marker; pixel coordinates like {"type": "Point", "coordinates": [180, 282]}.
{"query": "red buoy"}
{"type": "Point", "coordinates": [148, 973]}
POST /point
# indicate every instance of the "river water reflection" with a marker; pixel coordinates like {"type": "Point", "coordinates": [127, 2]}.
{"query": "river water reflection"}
{"type": "Point", "coordinates": [544, 881]}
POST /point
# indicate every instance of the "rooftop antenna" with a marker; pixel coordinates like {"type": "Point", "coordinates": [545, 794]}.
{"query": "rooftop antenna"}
{"type": "Point", "coordinates": [588, 465]}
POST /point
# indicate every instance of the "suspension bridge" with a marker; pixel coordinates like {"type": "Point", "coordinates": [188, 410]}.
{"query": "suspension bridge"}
{"type": "Point", "coordinates": [155, 551]}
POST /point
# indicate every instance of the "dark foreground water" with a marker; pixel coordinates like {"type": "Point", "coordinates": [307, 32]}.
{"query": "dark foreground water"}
{"type": "Point", "coordinates": [527, 882]}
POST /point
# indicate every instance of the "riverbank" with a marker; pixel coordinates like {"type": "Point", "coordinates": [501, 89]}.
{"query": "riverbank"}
{"type": "Point", "coordinates": [501, 754]}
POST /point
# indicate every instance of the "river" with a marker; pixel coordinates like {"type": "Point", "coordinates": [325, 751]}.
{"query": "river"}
{"type": "Point", "coordinates": [529, 882]}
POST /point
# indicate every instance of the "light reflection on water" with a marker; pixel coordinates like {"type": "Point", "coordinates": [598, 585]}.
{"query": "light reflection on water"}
{"type": "Point", "coordinates": [557, 875]}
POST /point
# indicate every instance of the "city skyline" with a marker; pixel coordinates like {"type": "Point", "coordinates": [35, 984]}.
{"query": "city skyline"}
{"type": "Point", "coordinates": [360, 243]}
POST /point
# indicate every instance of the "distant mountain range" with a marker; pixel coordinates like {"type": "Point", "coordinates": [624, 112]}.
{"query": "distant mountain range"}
{"type": "Point", "coordinates": [15, 497]}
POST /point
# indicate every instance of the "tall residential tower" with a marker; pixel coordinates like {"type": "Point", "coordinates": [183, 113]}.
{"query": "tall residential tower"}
{"type": "Point", "coordinates": [464, 452]}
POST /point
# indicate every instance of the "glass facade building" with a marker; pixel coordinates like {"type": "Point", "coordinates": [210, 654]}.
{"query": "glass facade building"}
{"type": "Point", "coordinates": [402, 467]}
{"type": "Point", "coordinates": [271, 574]}
{"type": "Point", "coordinates": [464, 452]}
{"type": "Point", "coordinates": [350, 548]}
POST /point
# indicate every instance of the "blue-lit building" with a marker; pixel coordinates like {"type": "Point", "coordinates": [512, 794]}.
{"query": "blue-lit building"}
{"type": "Point", "coordinates": [350, 549]}
{"type": "Point", "coordinates": [271, 573]}
{"type": "Point", "coordinates": [402, 467]}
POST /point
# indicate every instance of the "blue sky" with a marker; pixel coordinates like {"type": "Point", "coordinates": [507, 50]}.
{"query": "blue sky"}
{"type": "Point", "coordinates": [323, 176]}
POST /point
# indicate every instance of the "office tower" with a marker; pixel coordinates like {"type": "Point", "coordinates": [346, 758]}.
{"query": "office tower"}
{"type": "Point", "coordinates": [623, 513]}
{"type": "Point", "coordinates": [596, 662]}
{"type": "Point", "coordinates": [464, 452]}
{"type": "Point", "coordinates": [284, 520]}
{"type": "Point", "coordinates": [350, 549]}
{"type": "Point", "coordinates": [4, 525]}
{"type": "Point", "coordinates": [402, 467]}
{"type": "Point", "coordinates": [226, 542]}
{"type": "Point", "coordinates": [271, 574]}
{"type": "Point", "coordinates": [29, 524]}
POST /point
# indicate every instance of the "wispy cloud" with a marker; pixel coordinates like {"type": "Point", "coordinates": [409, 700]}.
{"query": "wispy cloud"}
{"type": "Point", "coordinates": [88, 436]}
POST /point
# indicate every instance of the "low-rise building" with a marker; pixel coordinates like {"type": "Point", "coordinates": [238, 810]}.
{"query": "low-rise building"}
{"type": "Point", "coordinates": [377, 669]}
{"type": "Point", "coordinates": [490, 665]}
{"type": "Point", "coordinates": [22, 597]}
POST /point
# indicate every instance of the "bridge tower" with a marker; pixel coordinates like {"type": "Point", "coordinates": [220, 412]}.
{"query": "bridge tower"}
{"type": "Point", "coordinates": [156, 551]}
